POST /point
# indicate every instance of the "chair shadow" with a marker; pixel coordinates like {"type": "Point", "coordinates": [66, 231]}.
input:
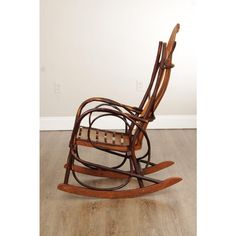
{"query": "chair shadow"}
{"type": "Point", "coordinates": [134, 216]}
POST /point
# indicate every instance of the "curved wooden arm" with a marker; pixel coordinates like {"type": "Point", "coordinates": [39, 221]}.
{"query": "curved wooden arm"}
{"type": "Point", "coordinates": [109, 102]}
{"type": "Point", "coordinates": [130, 117]}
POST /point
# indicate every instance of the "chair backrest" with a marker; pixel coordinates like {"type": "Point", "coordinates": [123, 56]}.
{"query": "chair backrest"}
{"type": "Point", "coordinates": [159, 81]}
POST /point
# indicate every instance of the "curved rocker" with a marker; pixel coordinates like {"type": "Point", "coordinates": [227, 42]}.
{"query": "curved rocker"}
{"type": "Point", "coordinates": [119, 194]}
{"type": "Point", "coordinates": [111, 174]}
{"type": "Point", "coordinates": [125, 143]}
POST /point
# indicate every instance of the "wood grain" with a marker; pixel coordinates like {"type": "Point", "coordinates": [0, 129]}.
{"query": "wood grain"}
{"type": "Point", "coordinates": [121, 193]}
{"type": "Point", "coordinates": [111, 174]}
{"type": "Point", "coordinates": [170, 212]}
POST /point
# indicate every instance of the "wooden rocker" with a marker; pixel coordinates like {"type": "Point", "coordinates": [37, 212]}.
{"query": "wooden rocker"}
{"type": "Point", "coordinates": [123, 144]}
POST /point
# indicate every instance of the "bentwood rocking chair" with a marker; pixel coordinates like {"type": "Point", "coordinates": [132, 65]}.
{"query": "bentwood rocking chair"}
{"type": "Point", "coordinates": [122, 144]}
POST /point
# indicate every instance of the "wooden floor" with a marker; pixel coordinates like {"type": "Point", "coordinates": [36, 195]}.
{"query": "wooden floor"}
{"type": "Point", "coordinates": [170, 212]}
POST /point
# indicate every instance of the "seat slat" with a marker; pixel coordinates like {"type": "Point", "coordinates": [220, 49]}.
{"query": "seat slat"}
{"type": "Point", "coordinates": [105, 137]}
{"type": "Point", "coordinates": [122, 139]}
{"type": "Point", "coordinates": [115, 140]}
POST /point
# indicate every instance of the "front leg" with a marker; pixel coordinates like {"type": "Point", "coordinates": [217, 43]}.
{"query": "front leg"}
{"type": "Point", "coordinates": [70, 163]}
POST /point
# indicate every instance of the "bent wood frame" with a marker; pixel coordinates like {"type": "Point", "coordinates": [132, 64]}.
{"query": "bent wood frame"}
{"type": "Point", "coordinates": [122, 144]}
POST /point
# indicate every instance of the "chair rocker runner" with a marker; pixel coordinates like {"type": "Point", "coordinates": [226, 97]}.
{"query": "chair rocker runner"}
{"type": "Point", "coordinates": [123, 144]}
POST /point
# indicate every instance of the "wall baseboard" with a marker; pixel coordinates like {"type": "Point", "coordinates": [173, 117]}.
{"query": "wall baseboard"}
{"type": "Point", "coordinates": [161, 122]}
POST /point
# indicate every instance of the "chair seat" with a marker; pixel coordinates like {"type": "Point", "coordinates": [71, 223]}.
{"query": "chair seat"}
{"type": "Point", "coordinates": [108, 139]}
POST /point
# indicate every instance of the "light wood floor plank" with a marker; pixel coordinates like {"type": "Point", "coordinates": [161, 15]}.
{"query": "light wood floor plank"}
{"type": "Point", "coordinates": [171, 212]}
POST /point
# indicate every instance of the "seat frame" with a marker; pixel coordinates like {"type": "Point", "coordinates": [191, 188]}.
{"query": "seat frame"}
{"type": "Point", "coordinates": [135, 120]}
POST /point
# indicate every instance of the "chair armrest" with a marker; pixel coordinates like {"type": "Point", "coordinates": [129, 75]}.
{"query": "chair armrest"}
{"type": "Point", "coordinates": [108, 102]}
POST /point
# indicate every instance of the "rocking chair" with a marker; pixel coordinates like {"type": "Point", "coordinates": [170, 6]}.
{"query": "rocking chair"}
{"type": "Point", "coordinates": [123, 144]}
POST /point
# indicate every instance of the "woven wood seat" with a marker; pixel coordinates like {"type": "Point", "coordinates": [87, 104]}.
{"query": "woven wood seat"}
{"type": "Point", "coordinates": [112, 140]}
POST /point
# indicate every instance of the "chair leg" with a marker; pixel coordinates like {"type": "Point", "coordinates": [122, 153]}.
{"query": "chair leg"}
{"type": "Point", "coordinates": [70, 161]}
{"type": "Point", "coordinates": [137, 168]}
{"type": "Point", "coordinates": [135, 171]}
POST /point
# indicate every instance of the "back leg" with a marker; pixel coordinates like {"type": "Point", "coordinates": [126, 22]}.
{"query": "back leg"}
{"type": "Point", "coordinates": [70, 162]}
{"type": "Point", "coordinates": [136, 168]}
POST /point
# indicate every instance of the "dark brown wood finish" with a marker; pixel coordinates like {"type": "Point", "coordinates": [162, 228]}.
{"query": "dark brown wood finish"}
{"type": "Point", "coordinates": [124, 144]}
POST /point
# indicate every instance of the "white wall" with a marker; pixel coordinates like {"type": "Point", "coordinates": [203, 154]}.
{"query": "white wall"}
{"type": "Point", "coordinates": [103, 47]}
